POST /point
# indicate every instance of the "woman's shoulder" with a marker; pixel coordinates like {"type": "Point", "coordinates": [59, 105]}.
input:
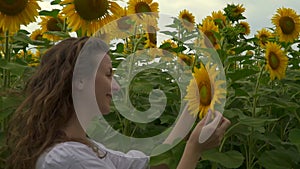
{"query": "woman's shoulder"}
{"type": "Point", "coordinates": [71, 154]}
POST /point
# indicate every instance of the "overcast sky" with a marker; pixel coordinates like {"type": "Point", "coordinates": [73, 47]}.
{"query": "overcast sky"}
{"type": "Point", "coordinates": [258, 12]}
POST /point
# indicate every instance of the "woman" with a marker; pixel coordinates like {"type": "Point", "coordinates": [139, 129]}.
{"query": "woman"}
{"type": "Point", "coordinates": [45, 132]}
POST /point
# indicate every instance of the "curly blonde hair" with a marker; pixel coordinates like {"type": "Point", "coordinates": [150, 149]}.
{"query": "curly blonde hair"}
{"type": "Point", "coordinates": [38, 122]}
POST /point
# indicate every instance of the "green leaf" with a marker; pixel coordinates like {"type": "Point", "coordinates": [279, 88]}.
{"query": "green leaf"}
{"type": "Point", "coordinates": [279, 159]}
{"type": "Point", "coordinates": [243, 48]}
{"type": "Point", "coordinates": [52, 13]}
{"type": "Point", "coordinates": [229, 159]}
{"type": "Point", "coordinates": [294, 137]}
{"type": "Point", "coordinates": [14, 68]}
{"type": "Point", "coordinates": [240, 74]}
{"type": "Point", "coordinates": [169, 33]}
{"type": "Point", "coordinates": [255, 122]}
{"type": "Point", "coordinates": [55, 2]}
{"type": "Point", "coordinates": [22, 37]}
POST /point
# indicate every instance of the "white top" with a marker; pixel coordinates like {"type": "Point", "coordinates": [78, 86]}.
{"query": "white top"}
{"type": "Point", "coordinates": [75, 155]}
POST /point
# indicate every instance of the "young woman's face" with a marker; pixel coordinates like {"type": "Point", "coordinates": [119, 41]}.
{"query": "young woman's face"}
{"type": "Point", "coordinates": [105, 85]}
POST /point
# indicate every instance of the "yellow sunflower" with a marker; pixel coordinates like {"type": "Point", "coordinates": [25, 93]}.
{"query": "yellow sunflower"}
{"type": "Point", "coordinates": [122, 27]}
{"type": "Point", "coordinates": [204, 91]}
{"type": "Point", "coordinates": [89, 15]}
{"type": "Point", "coordinates": [208, 28]}
{"type": "Point", "coordinates": [287, 24]}
{"type": "Point", "coordinates": [151, 38]}
{"type": "Point", "coordinates": [169, 43]}
{"type": "Point", "coordinates": [142, 6]}
{"type": "Point", "coordinates": [35, 59]}
{"type": "Point", "coordinates": [187, 19]}
{"type": "Point", "coordinates": [219, 18]}
{"type": "Point", "coordinates": [50, 23]}
{"type": "Point", "coordinates": [263, 36]}
{"type": "Point", "coordinates": [36, 35]}
{"type": "Point", "coordinates": [276, 60]}
{"type": "Point", "coordinates": [239, 9]}
{"type": "Point", "coordinates": [246, 27]}
{"type": "Point", "coordinates": [187, 59]}
{"type": "Point", "coordinates": [13, 13]}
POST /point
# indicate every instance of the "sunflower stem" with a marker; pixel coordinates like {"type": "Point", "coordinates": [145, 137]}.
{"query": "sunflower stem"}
{"type": "Point", "coordinates": [7, 59]}
{"type": "Point", "coordinates": [255, 91]}
{"type": "Point", "coordinates": [250, 140]}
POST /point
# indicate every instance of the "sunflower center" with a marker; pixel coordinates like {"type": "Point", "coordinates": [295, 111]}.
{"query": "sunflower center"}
{"type": "Point", "coordinates": [273, 60]}
{"type": "Point", "coordinates": [210, 39]}
{"type": "Point", "coordinates": [12, 7]}
{"type": "Point", "coordinates": [142, 7]}
{"type": "Point", "coordinates": [91, 9]}
{"type": "Point", "coordinates": [187, 19]}
{"type": "Point", "coordinates": [53, 24]}
{"type": "Point", "coordinates": [38, 37]}
{"type": "Point", "coordinates": [264, 38]}
{"type": "Point", "coordinates": [152, 36]}
{"type": "Point", "coordinates": [287, 24]}
{"type": "Point", "coordinates": [205, 95]}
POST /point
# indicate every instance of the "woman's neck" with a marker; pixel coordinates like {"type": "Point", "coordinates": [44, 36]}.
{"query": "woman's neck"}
{"type": "Point", "coordinates": [74, 129]}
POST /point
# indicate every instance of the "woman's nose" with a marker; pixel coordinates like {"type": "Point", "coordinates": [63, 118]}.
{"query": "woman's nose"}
{"type": "Point", "coordinates": [115, 85]}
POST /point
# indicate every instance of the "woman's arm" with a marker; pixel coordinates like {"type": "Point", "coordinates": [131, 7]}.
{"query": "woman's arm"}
{"type": "Point", "coordinates": [193, 149]}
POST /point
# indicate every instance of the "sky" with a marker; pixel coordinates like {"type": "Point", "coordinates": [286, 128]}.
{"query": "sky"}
{"type": "Point", "coordinates": [258, 12]}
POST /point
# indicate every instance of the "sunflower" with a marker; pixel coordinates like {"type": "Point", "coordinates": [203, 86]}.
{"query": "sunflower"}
{"type": "Point", "coordinates": [50, 23]}
{"type": "Point", "coordinates": [35, 59]}
{"type": "Point", "coordinates": [219, 18]}
{"type": "Point", "coordinates": [187, 59]}
{"type": "Point", "coordinates": [276, 60]}
{"type": "Point", "coordinates": [246, 28]}
{"type": "Point", "coordinates": [238, 10]}
{"type": "Point", "coordinates": [142, 6]}
{"type": "Point", "coordinates": [13, 13]}
{"type": "Point", "coordinates": [168, 44]}
{"type": "Point", "coordinates": [151, 38]}
{"type": "Point", "coordinates": [263, 36]}
{"type": "Point", "coordinates": [208, 28]}
{"type": "Point", "coordinates": [287, 24]}
{"type": "Point", "coordinates": [122, 27]}
{"type": "Point", "coordinates": [234, 12]}
{"type": "Point", "coordinates": [36, 35]}
{"type": "Point", "coordinates": [204, 91]}
{"type": "Point", "coordinates": [187, 19]}
{"type": "Point", "coordinates": [89, 15]}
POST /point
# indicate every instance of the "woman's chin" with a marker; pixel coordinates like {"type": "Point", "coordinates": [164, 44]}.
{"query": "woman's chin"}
{"type": "Point", "coordinates": [105, 112]}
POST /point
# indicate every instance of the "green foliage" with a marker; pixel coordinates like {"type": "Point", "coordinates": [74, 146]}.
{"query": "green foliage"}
{"type": "Point", "coordinates": [265, 114]}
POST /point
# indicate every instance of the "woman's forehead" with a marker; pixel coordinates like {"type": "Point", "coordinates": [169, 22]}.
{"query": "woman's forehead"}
{"type": "Point", "coordinates": [105, 62]}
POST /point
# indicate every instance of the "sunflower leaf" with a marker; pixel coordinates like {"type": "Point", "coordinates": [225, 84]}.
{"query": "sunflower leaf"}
{"type": "Point", "coordinates": [52, 13]}
{"type": "Point", "coordinates": [294, 137]}
{"type": "Point", "coordinates": [169, 33]}
{"type": "Point", "coordinates": [239, 74]}
{"type": "Point", "coordinates": [229, 159]}
{"type": "Point", "coordinates": [279, 158]}
{"type": "Point", "coordinates": [55, 2]}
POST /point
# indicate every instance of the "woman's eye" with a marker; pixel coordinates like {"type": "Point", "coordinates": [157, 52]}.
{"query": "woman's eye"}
{"type": "Point", "coordinates": [109, 74]}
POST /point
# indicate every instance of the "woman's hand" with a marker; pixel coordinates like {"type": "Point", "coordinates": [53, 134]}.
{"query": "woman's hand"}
{"type": "Point", "coordinates": [219, 125]}
{"type": "Point", "coordinates": [194, 149]}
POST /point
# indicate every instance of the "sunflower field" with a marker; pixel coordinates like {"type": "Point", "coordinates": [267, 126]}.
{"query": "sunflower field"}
{"type": "Point", "coordinates": [255, 81]}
